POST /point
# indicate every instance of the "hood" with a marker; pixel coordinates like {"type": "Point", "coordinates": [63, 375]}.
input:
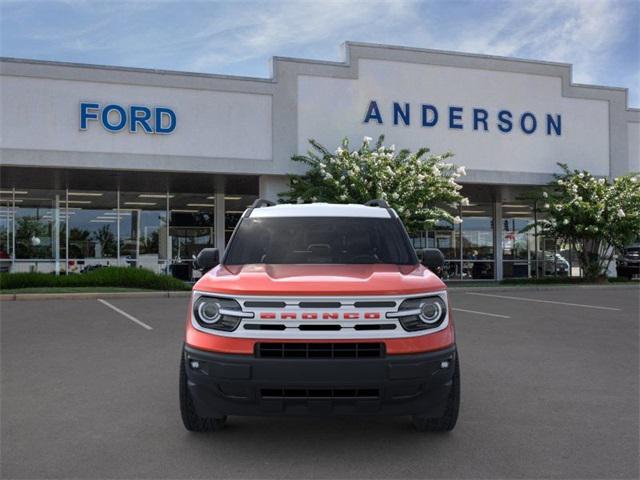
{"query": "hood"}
{"type": "Point", "coordinates": [321, 280]}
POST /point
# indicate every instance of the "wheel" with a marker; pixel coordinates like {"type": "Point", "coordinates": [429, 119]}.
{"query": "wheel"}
{"type": "Point", "coordinates": [447, 422]}
{"type": "Point", "coordinates": [190, 418]}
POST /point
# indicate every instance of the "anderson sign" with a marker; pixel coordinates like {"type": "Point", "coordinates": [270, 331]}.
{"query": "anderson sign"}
{"type": "Point", "coordinates": [460, 118]}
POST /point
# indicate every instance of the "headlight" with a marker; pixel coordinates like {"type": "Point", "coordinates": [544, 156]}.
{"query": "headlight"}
{"type": "Point", "coordinates": [421, 313]}
{"type": "Point", "coordinates": [218, 313]}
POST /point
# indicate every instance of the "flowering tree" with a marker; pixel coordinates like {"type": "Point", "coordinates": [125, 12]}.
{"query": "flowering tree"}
{"type": "Point", "coordinates": [593, 215]}
{"type": "Point", "coordinates": [416, 185]}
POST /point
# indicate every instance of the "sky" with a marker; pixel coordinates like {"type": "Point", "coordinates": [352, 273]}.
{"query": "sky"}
{"type": "Point", "coordinates": [601, 38]}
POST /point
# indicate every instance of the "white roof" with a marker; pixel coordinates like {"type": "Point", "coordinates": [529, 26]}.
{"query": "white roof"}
{"type": "Point", "coordinates": [320, 210]}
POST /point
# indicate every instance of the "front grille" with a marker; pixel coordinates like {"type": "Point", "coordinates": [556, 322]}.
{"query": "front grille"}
{"type": "Point", "coordinates": [313, 393]}
{"type": "Point", "coordinates": [320, 350]}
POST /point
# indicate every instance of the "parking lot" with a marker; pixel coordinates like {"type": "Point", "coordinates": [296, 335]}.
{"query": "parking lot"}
{"type": "Point", "coordinates": [549, 390]}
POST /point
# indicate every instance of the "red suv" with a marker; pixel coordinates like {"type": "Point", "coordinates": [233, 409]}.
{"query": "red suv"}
{"type": "Point", "coordinates": [320, 309]}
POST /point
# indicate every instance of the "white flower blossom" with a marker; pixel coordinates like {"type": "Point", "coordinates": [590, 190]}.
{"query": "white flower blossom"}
{"type": "Point", "coordinates": [457, 220]}
{"type": "Point", "coordinates": [460, 170]}
{"type": "Point", "coordinates": [392, 148]}
{"type": "Point", "coordinates": [545, 195]}
{"type": "Point", "coordinates": [395, 195]}
{"type": "Point", "coordinates": [464, 202]}
{"type": "Point", "coordinates": [546, 205]}
{"type": "Point", "coordinates": [621, 213]}
{"type": "Point", "coordinates": [339, 151]}
{"type": "Point", "coordinates": [343, 197]}
{"type": "Point", "coordinates": [560, 182]}
{"type": "Point", "coordinates": [367, 139]}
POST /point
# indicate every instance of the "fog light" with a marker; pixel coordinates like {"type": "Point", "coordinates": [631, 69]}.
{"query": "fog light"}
{"type": "Point", "coordinates": [444, 364]}
{"type": "Point", "coordinates": [194, 364]}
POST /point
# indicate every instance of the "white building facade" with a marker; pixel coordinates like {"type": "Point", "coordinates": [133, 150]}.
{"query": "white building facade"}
{"type": "Point", "coordinates": [119, 166]}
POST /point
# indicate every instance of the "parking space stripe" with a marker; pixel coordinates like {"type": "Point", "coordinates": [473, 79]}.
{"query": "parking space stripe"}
{"type": "Point", "coordinates": [481, 313]}
{"type": "Point", "coordinates": [125, 314]}
{"type": "Point", "coordinates": [524, 299]}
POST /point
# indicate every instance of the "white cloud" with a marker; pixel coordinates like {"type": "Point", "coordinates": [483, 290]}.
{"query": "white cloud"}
{"type": "Point", "coordinates": [277, 26]}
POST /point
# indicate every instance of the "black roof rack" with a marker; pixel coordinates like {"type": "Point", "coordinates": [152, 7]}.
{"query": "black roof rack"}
{"type": "Point", "coordinates": [261, 202]}
{"type": "Point", "coordinates": [377, 203]}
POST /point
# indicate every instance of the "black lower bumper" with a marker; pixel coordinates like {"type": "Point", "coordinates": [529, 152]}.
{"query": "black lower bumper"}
{"type": "Point", "coordinates": [222, 384]}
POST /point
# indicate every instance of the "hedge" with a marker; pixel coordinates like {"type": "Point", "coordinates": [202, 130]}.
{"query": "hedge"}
{"type": "Point", "coordinates": [102, 277]}
{"type": "Point", "coordinates": [563, 281]}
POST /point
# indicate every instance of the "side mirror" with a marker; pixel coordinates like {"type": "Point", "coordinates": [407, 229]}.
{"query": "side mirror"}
{"type": "Point", "coordinates": [207, 259]}
{"type": "Point", "coordinates": [433, 259]}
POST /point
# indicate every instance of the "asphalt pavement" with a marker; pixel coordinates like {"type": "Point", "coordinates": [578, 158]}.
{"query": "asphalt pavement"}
{"type": "Point", "coordinates": [549, 390]}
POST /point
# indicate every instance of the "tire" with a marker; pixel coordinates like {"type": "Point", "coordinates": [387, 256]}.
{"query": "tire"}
{"type": "Point", "coordinates": [190, 418]}
{"type": "Point", "coordinates": [447, 422]}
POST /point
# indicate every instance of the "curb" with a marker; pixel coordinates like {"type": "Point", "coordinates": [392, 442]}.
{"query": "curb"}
{"type": "Point", "coordinates": [91, 295]}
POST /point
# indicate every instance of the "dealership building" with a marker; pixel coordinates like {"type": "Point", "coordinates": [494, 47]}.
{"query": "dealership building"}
{"type": "Point", "coordinates": [105, 165]}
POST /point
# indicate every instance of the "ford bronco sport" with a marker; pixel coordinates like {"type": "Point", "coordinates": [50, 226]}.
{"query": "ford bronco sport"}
{"type": "Point", "coordinates": [319, 309]}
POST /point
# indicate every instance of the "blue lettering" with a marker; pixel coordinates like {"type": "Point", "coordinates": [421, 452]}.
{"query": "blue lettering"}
{"type": "Point", "coordinates": [505, 124]}
{"type": "Point", "coordinates": [373, 112]}
{"type": "Point", "coordinates": [105, 118]}
{"type": "Point", "coordinates": [455, 113]}
{"type": "Point", "coordinates": [162, 112]}
{"type": "Point", "coordinates": [425, 115]}
{"type": "Point", "coordinates": [523, 123]}
{"type": "Point", "coordinates": [399, 112]}
{"type": "Point", "coordinates": [556, 125]}
{"type": "Point", "coordinates": [86, 114]}
{"type": "Point", "coordinates": [139, 115]}
{"type": "Point", "coordinates": [480, 116]}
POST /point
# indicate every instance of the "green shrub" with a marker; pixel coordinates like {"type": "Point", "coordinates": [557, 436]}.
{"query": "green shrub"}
{"type": "Point", "coordinates": [560, 281]}
{"type": "Point", "coordinates": [101, 277]}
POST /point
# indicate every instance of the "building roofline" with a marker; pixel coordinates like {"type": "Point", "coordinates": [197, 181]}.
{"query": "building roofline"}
{"type": "Point", "coordinates": [346, 63]}
{"type": "Point", "coordinates": [55, 63]}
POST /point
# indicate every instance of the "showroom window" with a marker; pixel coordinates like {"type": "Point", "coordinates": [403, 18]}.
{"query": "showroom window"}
{"type": "Point", "coordinates": [91, 230]}
{"type": "Point", "coordinates": [192, 228]}
{"type": "Point", "coordinates": [525, 254]}
{"type": "Point", "coordinates": [143, 229]}
{"type": "Point", "coordinates": [40, 219]}
{"type": "Point", "coordinates": [235, 205]}
{"type": "Point", "coordinates": [468, 248]}
{"type": "Point", "coordinates": [79, 230]}
{"type": "Point", "coordinates": [477, 242]}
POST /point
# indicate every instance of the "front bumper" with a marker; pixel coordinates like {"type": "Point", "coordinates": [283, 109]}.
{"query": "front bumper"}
{"type": "Point", "coordinates": [223, 384]}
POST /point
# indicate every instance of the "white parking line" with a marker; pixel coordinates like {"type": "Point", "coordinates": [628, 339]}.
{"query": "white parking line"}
{"type": "Point", "coordinates": [480, 313]}
{"type": "Point", "coordinates": [524, 299]}
{"type": "Point", "coordinates": [125, 314]}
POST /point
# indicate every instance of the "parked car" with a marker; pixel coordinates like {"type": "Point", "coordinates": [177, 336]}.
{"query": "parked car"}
{"type": "Point", "coordinates": [553, 264]}
{"type": "Point", "coordinates": [320, 309]}
{"type": "Point", "coordinates": [628, 263]}
{"type": "Point", "coordinates": [5, 262]}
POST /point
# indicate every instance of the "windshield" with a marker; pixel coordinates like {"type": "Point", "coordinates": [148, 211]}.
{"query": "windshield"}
{"type": "Point", "coordinates": [320, 240]}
